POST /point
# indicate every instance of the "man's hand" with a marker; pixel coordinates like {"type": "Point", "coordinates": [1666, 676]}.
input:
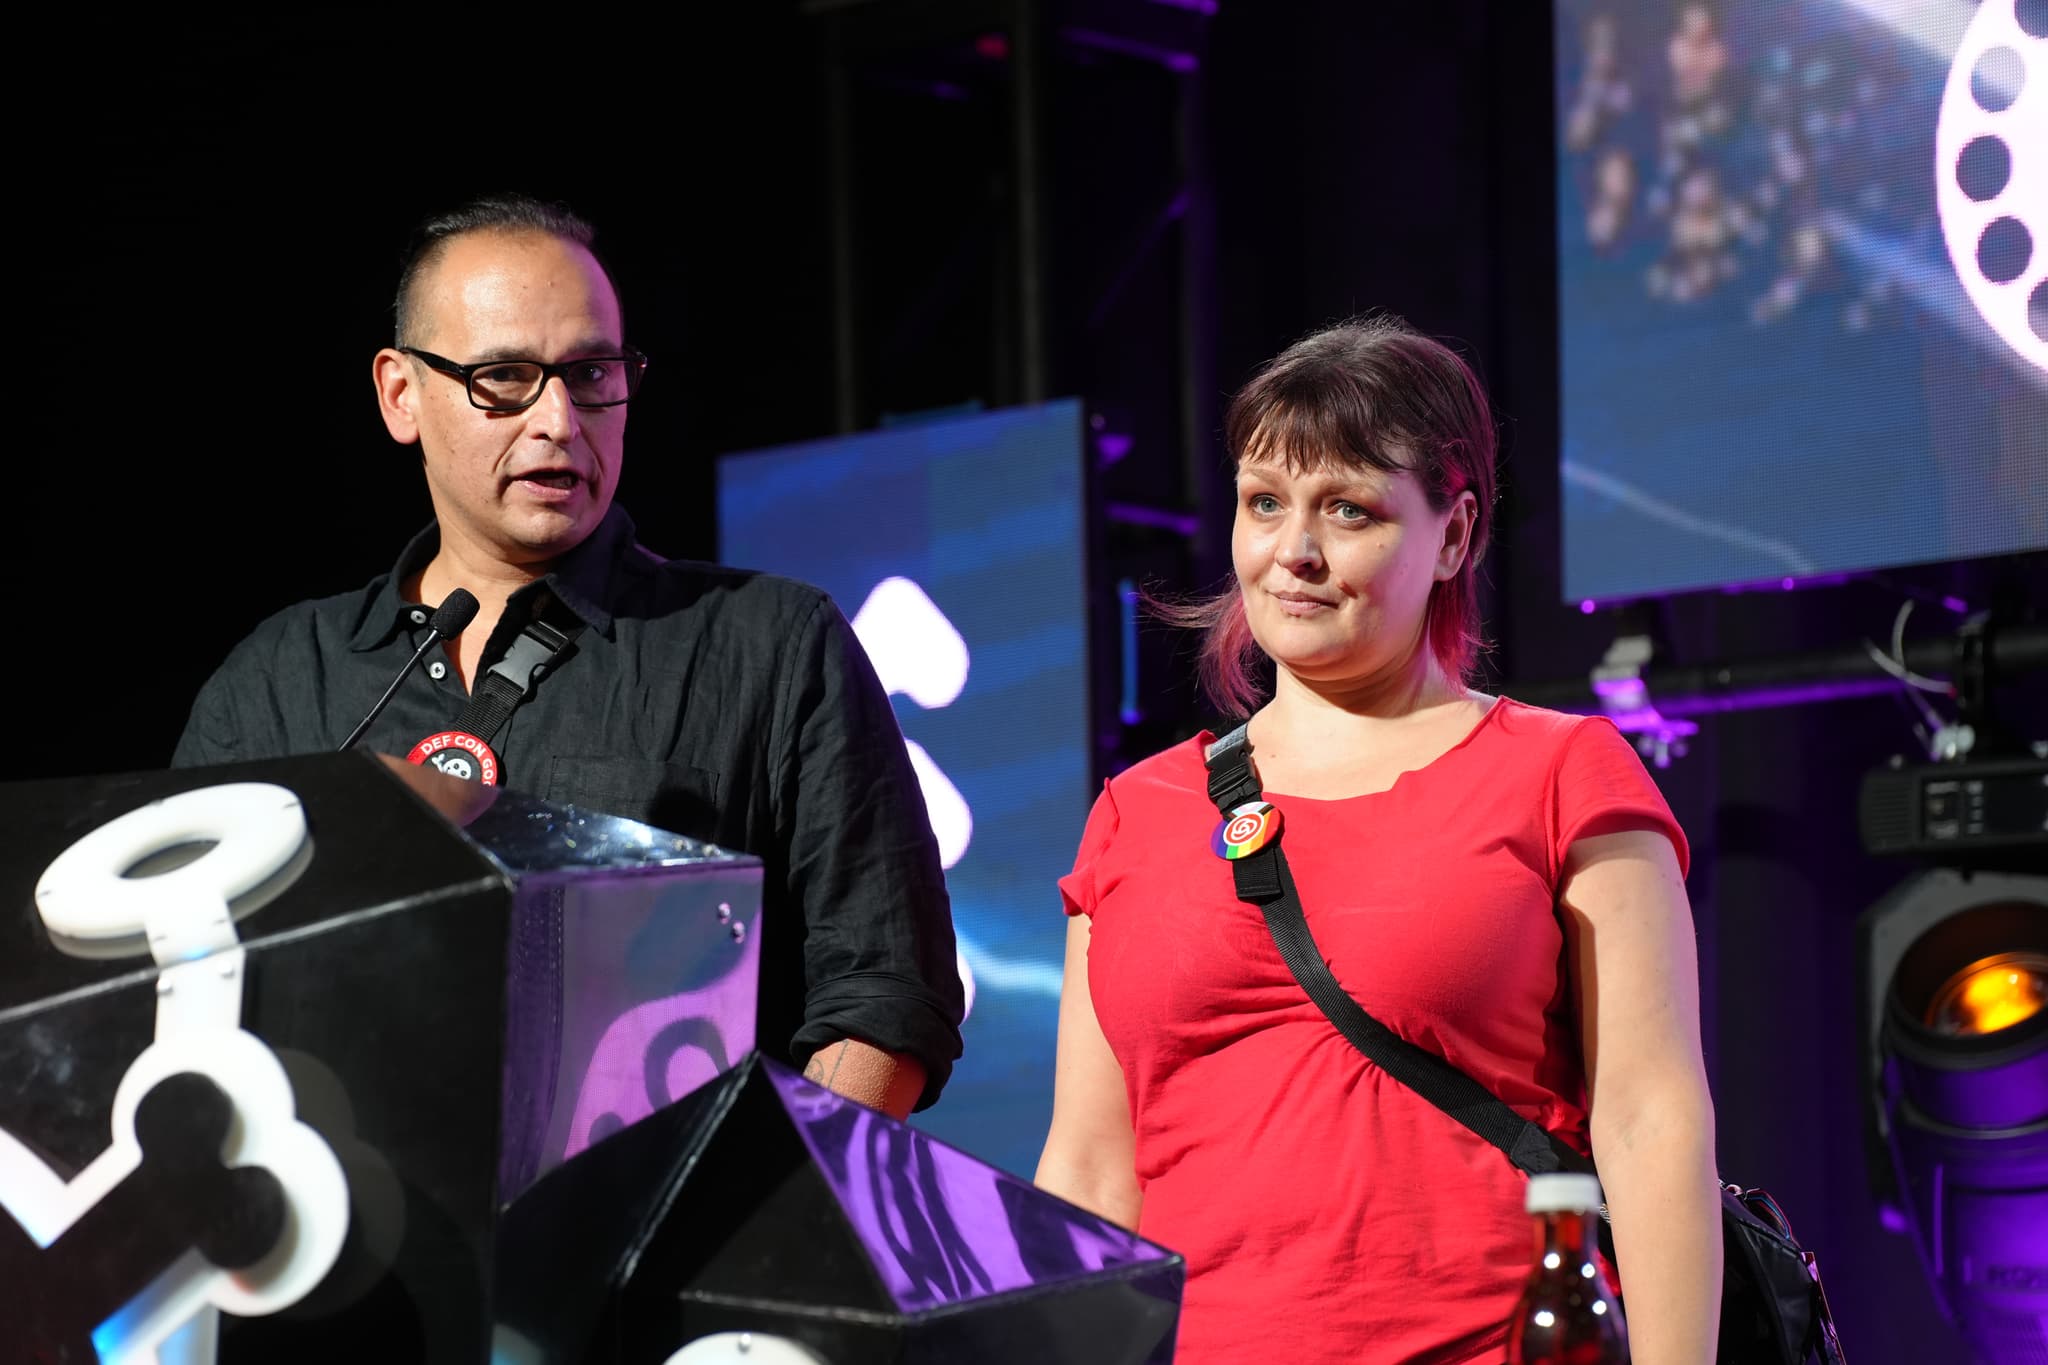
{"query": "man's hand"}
{"type": "Point", "coordinates": [864, 1073]}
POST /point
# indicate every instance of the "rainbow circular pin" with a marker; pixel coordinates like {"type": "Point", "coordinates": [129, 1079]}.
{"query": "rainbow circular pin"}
{"type": "Point", "coordinates": [1249, 828]}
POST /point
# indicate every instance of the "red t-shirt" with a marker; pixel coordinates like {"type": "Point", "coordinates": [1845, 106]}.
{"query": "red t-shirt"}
{"type": "Point", "coordinates": [1327, 1212]}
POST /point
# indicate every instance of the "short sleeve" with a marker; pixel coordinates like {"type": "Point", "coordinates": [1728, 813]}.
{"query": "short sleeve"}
{"type": "Point", "coordinates": [1078, 888]}
{"type": "Point", "coordinates": [1603, 788]}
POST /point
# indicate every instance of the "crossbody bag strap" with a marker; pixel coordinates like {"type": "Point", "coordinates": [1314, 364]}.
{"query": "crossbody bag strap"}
{"type": "Point", "coordinates": [1265, 880]}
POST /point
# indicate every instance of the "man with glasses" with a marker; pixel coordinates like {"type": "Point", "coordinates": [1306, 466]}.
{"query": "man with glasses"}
{"type": "Point", "coordinates": [733, 707]}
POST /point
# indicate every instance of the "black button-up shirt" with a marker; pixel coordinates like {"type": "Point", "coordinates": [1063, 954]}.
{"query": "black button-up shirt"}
{"type": "Point", "coordinates": [730, 706]}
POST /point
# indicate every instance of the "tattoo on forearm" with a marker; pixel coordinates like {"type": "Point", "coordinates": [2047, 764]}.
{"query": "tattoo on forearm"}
{"type": "Point", "coordinates": [815, 1070]}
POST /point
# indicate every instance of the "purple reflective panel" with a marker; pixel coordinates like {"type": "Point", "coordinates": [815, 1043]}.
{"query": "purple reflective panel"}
{"type": "Point", "coordinates": [939, 1226]}
{"type": "Point", "coordinates": [632, 1041]}
{"type": "Point", "coordinates": [632, 974]}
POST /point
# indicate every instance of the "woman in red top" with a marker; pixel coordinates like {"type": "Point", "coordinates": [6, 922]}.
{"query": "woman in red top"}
{"type": "Point", "coordinates": [1499, 884]}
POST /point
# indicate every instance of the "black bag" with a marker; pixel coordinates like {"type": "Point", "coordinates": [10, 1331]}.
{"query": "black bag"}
{"type": "Point", "coordinates": [1773, 1310]}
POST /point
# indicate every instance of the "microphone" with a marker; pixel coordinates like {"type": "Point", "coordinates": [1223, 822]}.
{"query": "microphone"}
{"type": "Point", "coordinates": [456, 611]}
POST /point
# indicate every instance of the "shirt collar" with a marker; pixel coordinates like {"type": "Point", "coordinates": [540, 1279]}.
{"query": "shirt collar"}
{"type": "Point", "coordinates": [582, 580]}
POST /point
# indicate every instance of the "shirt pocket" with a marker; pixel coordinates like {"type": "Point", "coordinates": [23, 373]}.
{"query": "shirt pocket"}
{"type": "Point", "coordinates": [672, 796]}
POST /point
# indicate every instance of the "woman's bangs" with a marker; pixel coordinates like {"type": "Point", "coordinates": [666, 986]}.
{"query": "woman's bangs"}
{"type": "Point", "coordinates": [1313, 437]}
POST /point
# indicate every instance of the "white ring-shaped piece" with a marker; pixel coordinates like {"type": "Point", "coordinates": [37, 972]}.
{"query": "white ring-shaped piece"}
{"type": "Point", "coordinates": [257, 829]}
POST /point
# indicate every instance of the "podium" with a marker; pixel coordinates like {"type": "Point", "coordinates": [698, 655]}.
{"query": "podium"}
{"type": "Point", "coordinates": [763, 1204]}
{"type": "Point", "coordinates": [442, 1073]}
{"type": "Point", "coordinates": [463, 987]}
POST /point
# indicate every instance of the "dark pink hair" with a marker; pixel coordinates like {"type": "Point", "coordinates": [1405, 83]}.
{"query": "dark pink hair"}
{"type": "Point", "coordinates": [1372, 393]}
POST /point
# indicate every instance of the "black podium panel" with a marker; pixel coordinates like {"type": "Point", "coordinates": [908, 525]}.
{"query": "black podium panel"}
{"type": "Point", "coordinates": [765, 1204]}
{"type": "Point", "coordinates": [379, 851]}
{"type": "Point", "coordinates": [434, 1013]}
{"type": "Point", "coordinates": [377, 977]}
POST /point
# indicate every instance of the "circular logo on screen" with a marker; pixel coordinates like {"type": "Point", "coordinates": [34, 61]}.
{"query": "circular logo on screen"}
{"type": "Point", "coordinates": [1246, 830]}
{"type": "Point", "coordinates": [1991, 170]}
{"type": "Point", "coordinates": [457, 754]}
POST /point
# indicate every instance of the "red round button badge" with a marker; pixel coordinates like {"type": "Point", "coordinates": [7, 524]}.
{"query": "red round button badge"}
{"type": "Point", "coordinates": [1247, 829]}
{"type": "Point", "coordinates": [458, 754]}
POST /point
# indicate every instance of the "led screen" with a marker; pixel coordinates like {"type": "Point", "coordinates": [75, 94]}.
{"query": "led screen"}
{"type": "Point", "coordinates": [1803, 293]}
{"type": "Point", "coordinates": [955, 547]}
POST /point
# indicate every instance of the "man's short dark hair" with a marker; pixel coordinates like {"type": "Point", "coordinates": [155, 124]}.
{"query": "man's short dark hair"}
{"type": "Point", "coordinates": [491, 213]}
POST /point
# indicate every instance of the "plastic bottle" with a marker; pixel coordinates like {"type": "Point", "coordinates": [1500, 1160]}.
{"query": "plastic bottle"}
{"type": "Point", "coordinates": [1567, 1314]}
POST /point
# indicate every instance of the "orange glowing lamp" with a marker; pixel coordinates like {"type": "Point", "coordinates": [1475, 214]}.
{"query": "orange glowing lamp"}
{"type": "Point", "coordinates": [1990, 994]}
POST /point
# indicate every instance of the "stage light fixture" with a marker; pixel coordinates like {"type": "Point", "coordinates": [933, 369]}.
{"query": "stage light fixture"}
{"type": "Point", "coordinates": [1955, 978]}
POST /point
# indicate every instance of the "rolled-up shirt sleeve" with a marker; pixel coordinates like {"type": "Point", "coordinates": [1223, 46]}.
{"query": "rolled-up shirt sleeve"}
{"type": "Point", "coordinates": [880, 963]}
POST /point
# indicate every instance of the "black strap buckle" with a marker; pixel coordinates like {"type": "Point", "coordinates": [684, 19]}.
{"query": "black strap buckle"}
{"type": "Point", "coordinates": [1232, 782]}
{"type": "Point", "coordinates": [506, 684]}
{"type": "Point", "coordinates": [531, 655]}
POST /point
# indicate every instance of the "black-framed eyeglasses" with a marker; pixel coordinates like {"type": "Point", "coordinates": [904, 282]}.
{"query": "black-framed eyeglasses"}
{"type": "Point", "coordinates": [593, 381]}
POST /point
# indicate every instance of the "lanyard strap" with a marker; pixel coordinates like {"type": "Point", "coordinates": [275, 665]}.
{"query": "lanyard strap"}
{"type": "Point", "coordinates": [1265, 880]}
{"type": "Point", "coordinates": [537, 651]}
